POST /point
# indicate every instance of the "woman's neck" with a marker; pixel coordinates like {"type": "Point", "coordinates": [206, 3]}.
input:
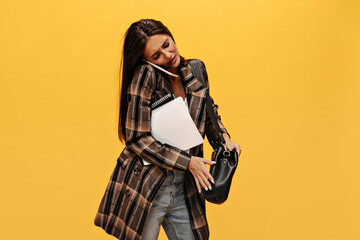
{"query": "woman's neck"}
{"type": "Point", "coordinates": [174, 70]}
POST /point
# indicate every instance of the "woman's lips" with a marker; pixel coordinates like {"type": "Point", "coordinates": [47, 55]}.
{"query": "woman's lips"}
{"type": "Point", "coordinates": [173, 60]}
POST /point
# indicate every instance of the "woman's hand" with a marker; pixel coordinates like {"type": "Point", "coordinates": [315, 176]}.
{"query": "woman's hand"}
{"type": "Point", "coordinates": [200, 172]}
{"type": "Point", "coordinates": [230, 145]}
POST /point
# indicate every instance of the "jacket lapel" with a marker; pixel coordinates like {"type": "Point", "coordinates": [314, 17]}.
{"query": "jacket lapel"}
{"type": "Point", "coordinates": [190, 82]}
{"type": "Point", "coordinates": [196, 96]}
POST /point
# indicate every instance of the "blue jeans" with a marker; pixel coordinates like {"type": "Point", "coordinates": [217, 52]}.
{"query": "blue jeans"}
{"type": "Point", "coordinates": [169, 209]}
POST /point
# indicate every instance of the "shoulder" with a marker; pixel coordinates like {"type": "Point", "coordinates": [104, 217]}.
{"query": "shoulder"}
{"type": "Point", "coordinates": [202, 64]}
{"type": "Point", "coordinates": [143, 76]}
{"type": "Point", "coordinates": [144, 71]}
{"type": "Point", "coordinates": [187, 61]}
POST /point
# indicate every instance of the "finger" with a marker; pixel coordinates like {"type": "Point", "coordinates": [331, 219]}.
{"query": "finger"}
{"type": "Point", "coordinates": [206, 182]}
{"type": "Point", "coordinates": [201, 181]}
{"type": "Point", "coordinates": [209, 162]}
{"type": "Point", "coordinates": [238, 150]}
{"type": "Point", "coordinates": [198, 185]}
{"type": "Point", "coordinates": [210, 177]}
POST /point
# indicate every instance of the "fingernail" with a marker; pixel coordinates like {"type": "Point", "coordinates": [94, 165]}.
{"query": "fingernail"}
{"type": "Point", "coordinates": [199, 191]}
{"type": "Point", "coordinates": [213, 181]}
{"type": "Point", "coordinates": [206, 188]}
{"type": "Point", "coordinates": [210, 188]}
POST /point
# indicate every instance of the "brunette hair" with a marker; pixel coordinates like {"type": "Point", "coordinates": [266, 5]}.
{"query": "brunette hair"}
{"type": "Point", "coordinates": [133, 51]}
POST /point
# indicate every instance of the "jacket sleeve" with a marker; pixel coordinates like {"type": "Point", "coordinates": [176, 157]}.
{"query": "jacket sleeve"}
{"type": "Point", "coordinates": [138, 133]}
{"type": "Point", "coordinates": [209, 125]}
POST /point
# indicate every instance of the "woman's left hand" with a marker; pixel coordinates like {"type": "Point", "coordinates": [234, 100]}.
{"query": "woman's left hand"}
{"type": "Point", "coordinates": [230, 145]}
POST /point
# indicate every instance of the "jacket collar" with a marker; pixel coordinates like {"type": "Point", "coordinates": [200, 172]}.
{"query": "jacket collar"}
{"type": "Point", "coordinates": [188, 78]}
{"type": "Point", "coordinates": [190, 82]}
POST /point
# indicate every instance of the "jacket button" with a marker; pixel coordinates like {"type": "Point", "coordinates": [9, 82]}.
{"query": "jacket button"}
{"type": "Point", "coordinates": [127, 192]}
{"type": "Point", "coordinates": [137, 171]}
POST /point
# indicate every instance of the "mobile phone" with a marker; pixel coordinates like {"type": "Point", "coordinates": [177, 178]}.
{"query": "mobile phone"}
{"type": "Point", "coordinates": [160, 68]}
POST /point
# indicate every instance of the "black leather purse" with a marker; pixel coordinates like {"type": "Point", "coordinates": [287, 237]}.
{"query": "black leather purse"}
{"type": "Point", "coordinates": [226, 160]}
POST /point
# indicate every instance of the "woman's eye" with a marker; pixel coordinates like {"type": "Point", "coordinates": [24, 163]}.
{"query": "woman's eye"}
{"type": "Point", "coordinates": [157, 56]}
{"type": "Point", "coordinates": [166, 45]}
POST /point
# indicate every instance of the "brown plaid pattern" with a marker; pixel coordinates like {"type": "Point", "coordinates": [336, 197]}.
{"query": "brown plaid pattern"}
{"type": "Point", "coordinates": [132, 185]}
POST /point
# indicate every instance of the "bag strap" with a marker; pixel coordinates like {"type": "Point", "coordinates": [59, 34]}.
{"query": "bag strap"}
{"type": "Point", "coordinates": [213, 140]}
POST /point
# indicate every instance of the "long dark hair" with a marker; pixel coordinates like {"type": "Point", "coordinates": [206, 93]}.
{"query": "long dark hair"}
{"type": "Point", "coordinates": [133, 51]}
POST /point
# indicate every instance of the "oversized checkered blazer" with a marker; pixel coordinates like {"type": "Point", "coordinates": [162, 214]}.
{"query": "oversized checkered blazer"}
{"type": "Point", "coordinates": [133, 185]}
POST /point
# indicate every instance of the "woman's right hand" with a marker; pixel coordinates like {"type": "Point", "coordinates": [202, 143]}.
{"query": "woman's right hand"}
{"type": "Point", "coordinates": [200, 172]}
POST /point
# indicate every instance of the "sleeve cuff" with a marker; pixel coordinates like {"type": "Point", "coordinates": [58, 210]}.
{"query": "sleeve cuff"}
{"type": "Point", "coordinates": [183, 159]}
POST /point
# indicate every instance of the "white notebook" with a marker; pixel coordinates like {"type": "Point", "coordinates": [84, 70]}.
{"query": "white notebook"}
{"type": "Point", "coordinates": [171, 123]}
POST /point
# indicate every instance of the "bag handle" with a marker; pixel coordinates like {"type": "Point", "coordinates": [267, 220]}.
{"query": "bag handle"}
{"type": "Point", "coordinates": [213, 140]}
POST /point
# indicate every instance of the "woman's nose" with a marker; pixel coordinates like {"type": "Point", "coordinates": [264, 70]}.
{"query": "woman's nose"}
{"type": "Point", "coordinates": [167, 55]}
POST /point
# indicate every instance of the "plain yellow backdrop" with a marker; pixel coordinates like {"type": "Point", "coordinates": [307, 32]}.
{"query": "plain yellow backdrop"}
{"type": "Point", "coordinates": [285, 75]}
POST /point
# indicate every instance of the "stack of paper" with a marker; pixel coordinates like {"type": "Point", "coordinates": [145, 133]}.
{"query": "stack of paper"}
{"type": "Point", "coordinates": [171, 123]}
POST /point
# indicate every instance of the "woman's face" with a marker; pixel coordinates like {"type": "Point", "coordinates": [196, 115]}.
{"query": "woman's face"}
{"type": "Point", "coordinates": [161, 50]}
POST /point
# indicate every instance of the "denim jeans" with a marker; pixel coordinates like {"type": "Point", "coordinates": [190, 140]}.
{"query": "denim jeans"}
{"type": "Point", "coordinates": [169, 210]}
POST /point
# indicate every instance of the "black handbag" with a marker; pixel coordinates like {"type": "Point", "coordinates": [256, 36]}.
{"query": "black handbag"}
{"type": "Point", "coordinates": [226, 160]}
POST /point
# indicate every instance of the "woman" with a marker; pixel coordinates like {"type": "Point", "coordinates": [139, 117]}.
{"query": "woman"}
{"type": "Point", "coordinates": [139, 198]}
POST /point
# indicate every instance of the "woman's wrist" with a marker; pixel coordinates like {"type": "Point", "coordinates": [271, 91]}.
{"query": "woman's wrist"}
{"type": "Point", "coordinates": [226, 137]}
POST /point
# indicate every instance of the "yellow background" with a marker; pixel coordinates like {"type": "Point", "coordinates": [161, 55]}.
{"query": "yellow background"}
{"type": "Point", "coordinates": [285, 75]}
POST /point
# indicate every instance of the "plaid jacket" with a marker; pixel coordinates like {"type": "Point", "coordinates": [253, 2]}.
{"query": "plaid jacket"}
{"type": "Point", "coordinates": [133, 185]}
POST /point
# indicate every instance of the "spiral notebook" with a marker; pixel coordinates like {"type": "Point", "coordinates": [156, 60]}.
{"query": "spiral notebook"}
{"type": "Point", "coordinates": [171, 123]}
